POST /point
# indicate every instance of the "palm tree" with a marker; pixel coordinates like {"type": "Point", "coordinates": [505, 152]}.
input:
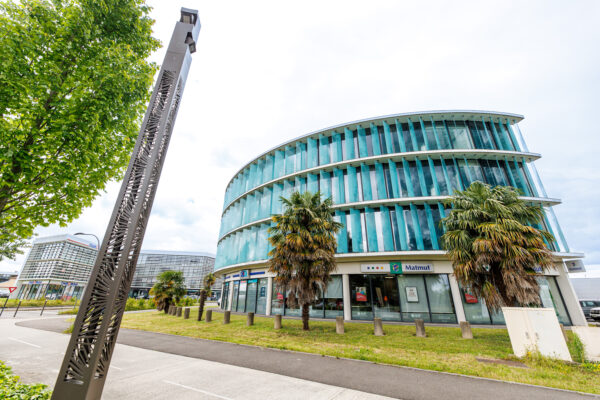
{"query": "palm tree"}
{"type": "Point", "coordinates": [209, 280]}
{"type": "Point", "coordinates": [303, 254]}
{"type": "Point", "coordinates": [168, 289]}
{"type": "Point", "coordinates": [494, 246]}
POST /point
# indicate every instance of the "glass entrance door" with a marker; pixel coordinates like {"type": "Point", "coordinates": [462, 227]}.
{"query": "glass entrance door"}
{"type": "Point", "coordinates": [386, 300]}
{"type": "Point", "coordinates": [251, 295]}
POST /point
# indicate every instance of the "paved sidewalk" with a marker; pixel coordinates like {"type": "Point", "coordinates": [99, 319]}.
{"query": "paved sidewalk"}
{"type": "Point", "coordinates": [397, 382]}
{"type": "Point", "coordinates": [140, 374]}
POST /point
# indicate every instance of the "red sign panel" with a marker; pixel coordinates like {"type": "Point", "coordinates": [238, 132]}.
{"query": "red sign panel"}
{"type": "Point", "coordinates": [470, 299]}
{"type": "Point", "coordinates": [12, 289]}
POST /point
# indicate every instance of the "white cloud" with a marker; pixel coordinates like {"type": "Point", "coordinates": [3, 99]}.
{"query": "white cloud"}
{"type": "Point", "coordinates": [266, 72]}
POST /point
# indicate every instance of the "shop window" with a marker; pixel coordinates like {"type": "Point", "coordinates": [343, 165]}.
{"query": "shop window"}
{"type": "Point", "coordinates": [360, 300]}
{"type": "Point", "coordinates": [551, 297]}
{"type": "Point", "coordinates": [334, 298]}
{"type": "Point", "coordinates": [440, 298]}
{"type": "Point", "coordinates": [241, 304]}
{"type": "Point", "coordinates": [277, 301]}
{"type": "Point", "coordinates": [251, 294]}
{"type": "Point", "coordinates": [261, 297]}
{"type": "Point", "coordinates": [413, 298]}
{"type": "Point", "coordinates": [386, 300]}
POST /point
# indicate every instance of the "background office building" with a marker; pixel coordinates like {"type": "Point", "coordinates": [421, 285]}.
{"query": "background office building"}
{"type": "Point", "coordinates": [57, 267]}
{"type": "Point", "coordinates": [195, 267]}
{"type": "Point", "coordinates": [388, 177]}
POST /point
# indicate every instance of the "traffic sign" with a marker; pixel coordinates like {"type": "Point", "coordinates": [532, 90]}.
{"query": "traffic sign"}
{"type": "Point", "coordinates": [12, 289]}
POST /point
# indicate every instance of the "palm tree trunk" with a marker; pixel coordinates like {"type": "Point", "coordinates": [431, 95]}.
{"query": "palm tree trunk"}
{"type": "Point", "coordinates": [305, 317]}
{"type": "Point", "coordinates": [166, 306]}
{"type": "Point", "coordinates": [202, 300]}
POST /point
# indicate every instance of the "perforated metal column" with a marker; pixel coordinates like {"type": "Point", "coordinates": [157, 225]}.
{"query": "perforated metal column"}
{"type": "Point", "coordinates": [88, 355]}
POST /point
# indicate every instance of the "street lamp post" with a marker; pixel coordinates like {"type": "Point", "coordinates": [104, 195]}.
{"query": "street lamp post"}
{"type": "Point", "coordinates": [87, 359]}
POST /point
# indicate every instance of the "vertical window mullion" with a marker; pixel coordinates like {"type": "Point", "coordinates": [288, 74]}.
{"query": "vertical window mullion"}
{"type": "Point", "coordinates": [432, 228]}
{"type": "Point", "coordinates": [388, 138]}
{"type": "Point", "coordinates": [405, 168]}
{"type": "Point", "coordinates": [375, 139]}
{"type": "Point", "coordinates": [435, 134]}
{"type": "Point", "coordinates": [400, 138]}
{"type": "Point", "coordinates": [417, 227]}
{"type": "Point", "coordinates": [434, 176]}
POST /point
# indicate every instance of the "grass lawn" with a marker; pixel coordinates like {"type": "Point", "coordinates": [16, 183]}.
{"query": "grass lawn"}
{"type": "Point", "coordinates": [442, 350]}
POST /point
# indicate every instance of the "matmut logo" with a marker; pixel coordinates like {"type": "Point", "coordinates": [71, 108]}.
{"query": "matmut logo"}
{"type": "Point", "coordinates": [417, 267]}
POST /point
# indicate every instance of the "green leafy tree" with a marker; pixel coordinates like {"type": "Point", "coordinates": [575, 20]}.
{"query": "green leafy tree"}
{"type": "Point", "coordinates": [209, 280]}
{"type": "Point", "coordinates": [74, 83]}
{"type": "Point", "coordinates": [494, 246]}
{"type": "Point", "coordinates": [168, 289]}
{"type": "Point", "coordinates": [303, 254]}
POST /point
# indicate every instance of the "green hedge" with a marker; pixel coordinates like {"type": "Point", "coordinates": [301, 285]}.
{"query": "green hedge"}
{"type": "Point", "coordinates": [37, 303]}
{"type": "Point", "coordinates": [11, 389]}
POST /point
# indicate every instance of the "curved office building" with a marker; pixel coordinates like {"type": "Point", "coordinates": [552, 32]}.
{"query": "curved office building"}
{"type": "Point", "coordinates": [388, 177]}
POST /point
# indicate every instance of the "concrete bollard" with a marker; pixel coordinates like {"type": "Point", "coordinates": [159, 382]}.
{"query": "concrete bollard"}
{"type": "Point", "coordinates": [420, 324]}
{"type": "Point", "coordinates": [277, 321]}
{"type": "Point", "coordinates": [339, 324]}
{"type": "Point", "coordinates": [465, 330]}
{"type": "Point", "coordinates": [226, 317]}
{"type": "Point", "coordinates": [250, 319]}
{"type": "Point", "coordinates": [179, 311]}
{"type": "Point", "coordinates": [171, 310]}
{"type": "Point", "coordinates": [186, 313]}
{"type": "Point", "coordinates": [208, 315]}
{"type": "Point", "coordinates": [378, 327]}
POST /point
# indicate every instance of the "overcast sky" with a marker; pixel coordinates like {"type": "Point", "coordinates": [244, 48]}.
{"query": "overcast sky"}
{"type": "Point", "coordinates": [266, 72]}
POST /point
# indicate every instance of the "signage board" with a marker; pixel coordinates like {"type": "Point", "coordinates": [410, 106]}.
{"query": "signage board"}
{"type": "Point", "coordinates": [416, 268]}
{"type": "Point", "coordinates": [397, 267]}
{"type": "Point", "coordinates": [361, 293]}
{"type": "Point", "coordinates": [470, 299]}
{"type": "Point", "coordinates": [263, 292]}
{"type": "Point", "coordinates": [412, 296]}
{"type": "Point", "coordinates": [244, 273]}
{"type": "Point", "coordinates": [252, 280]}
{"type": "Point", "coordinates": [382, 267]}
{"type": "Point", "coordinates": [575, 266]}
{"type": "Point", "coordinates": [11, 289]}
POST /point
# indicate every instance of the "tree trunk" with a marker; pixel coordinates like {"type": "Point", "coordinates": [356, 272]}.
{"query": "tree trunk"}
{"type": "Point", "coordinates": [202, 300]}
{"type": "Point", "coordinates": [305, 316]}
{"type": "Point", "coordinates": [166, 306]}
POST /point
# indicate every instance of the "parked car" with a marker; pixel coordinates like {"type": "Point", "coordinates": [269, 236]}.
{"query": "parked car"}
{"type": "Point", "coordinates": [595, 314]}
{"type": "Point", "coordinates": [587, 305]}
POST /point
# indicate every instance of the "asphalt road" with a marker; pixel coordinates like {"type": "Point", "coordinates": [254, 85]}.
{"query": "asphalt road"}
{"type": "Point", "coordinates": [384, 380]}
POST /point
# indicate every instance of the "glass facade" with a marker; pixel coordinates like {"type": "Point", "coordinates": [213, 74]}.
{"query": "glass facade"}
{"type": "Point", "coordinates": [387, 179]}
{"type": "Point", "coordinates": [57, 267]}
{"type": "Point", "coordinates": [402, 298]}
{"type": "Point", "coordinates": [477, 312]}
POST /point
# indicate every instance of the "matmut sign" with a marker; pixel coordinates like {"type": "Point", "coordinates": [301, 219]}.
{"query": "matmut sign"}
{"type": "Point", "coordinates": [397, 267]}
{"type": "Point", "coordinates": [416, 268]}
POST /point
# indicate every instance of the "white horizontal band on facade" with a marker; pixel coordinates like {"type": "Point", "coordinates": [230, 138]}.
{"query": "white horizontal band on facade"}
{"type": "Point", "coordinates": [401, 117]}
{"type": "Point", "coordinates": [382, 255]}
{"type": "Point", "coordinates": [408, 156]}
{"type": "Point", "coordinates": [390, 202]}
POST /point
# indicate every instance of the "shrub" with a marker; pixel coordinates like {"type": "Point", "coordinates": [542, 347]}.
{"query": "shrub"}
{"type": "Point", "coordinates": [11, 389]}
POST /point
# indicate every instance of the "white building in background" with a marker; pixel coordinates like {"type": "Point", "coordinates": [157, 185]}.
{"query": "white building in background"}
{"type": "Point", "coordinates": [59, 267]}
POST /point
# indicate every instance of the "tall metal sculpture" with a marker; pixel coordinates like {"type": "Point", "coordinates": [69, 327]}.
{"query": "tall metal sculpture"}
{"type": "Point", "coordinates": [88, 356]}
